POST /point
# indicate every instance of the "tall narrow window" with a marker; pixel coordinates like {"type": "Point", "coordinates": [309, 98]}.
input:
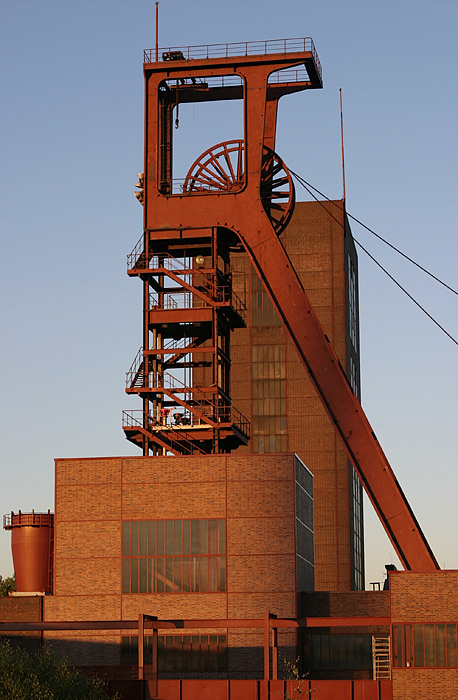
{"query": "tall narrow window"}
{"type": "Point", "coordinates": [269, 398]}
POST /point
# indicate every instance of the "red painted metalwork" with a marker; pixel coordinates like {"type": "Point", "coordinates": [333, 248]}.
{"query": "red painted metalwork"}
{"type": "Point", "coordinates": [150, 623]}
{"type": "Point", "coordinates": [268, 71]}
{"type": "Point", "coordinates": [32, 536]}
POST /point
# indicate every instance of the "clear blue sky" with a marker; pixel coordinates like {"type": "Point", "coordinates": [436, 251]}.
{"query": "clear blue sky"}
{"type": "Point", "coordinates": [71, 127]}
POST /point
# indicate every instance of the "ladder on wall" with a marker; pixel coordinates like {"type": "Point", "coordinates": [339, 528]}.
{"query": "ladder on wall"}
{"type": "Point", "coordinates": [381, 660]}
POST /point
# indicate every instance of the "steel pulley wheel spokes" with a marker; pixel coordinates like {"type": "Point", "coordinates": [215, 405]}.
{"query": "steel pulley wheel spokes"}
{"type": "Point", "coordinates": [277, 190]}
{"type": "Point", "coordinates": [221, 169]}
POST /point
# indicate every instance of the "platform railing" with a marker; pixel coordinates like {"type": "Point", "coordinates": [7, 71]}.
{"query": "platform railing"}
{"type": "Point", "coordinates": [247, 48]}
{"type": "Point", "coordinates": [32, 519]}
{"type": "Point", "coordinates": [176, 438]}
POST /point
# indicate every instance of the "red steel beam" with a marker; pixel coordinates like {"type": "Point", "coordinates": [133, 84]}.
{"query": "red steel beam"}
{"type": "Point", "coordinates": [231, 623]}
{"type": "Point", "coordinates": [317, 354]}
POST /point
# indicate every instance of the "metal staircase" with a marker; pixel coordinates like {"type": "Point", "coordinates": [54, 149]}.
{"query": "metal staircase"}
{"type": "Point", "coordinates": [182, 370]}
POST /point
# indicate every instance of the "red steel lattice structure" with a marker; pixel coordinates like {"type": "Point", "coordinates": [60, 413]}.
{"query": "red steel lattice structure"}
{"type": "Point", "coordinates": [238, 193]}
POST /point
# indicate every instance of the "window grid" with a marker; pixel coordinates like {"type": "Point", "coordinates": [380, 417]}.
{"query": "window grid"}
{"type": "Point", "coordinates": [179, 652]}
{"type": "Point", "coordinates": [352, 305]}
{"type": "Point", "coordinates": [174, 556]}
{"type": "Point", "coordinates": [269, 398]}
{"type": "Point", "coordinates": [337, 652]}
{"type": "Point", "coordinates": [425, 645]}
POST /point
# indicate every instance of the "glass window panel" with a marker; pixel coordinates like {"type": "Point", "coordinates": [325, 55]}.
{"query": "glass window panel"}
{"type": "Point", "coordinates": [221, 536]}
{"type": "Point", "coordinates": [125, 650]}
{"type": "Point", "coordinates": [212, 579]}
{"type": "Point", "coordinates": [160, 580]}
{"type": "Point", "coordinates": [151, 537]}
{"type": "Point", "coordinates": [186, 537]}
{"type": "Point", "coordinates": [194, 574]}
{"type": "Point", "coordinates": [213, 656]}
{"type": "Point", "coordinates": [429, 646]}
{"type": "Point", "coordinates": [418, 645]}
{"type": "Point", "coordinates": [222, 652]}
{"type": "Point", "coordinates": [143, 578]}
{"type": "Point", "coordinates": [351, 651]}
{"type": "Point", "coordinates": [186, 574]}
{"type": "Point", "coordinates": [126, 575]}
{"type": "Point", "coordinates": [160, 653]}
{"type": "Point", "coordinates": [398, 660]}
{"type": "Point", "coordinates": [126, 541]}
{"type": "Point", "coordinates": [333, 651]}
{"type": "Point", "coordinates": [134, 651]}
{"type": "Point", "coordinates": [143, 534]}
{"type": "Point", "coordinates": [148, 650]}
{"type": "Point", "coordinates": [177, 573]}
{"type": "Point", "coordinates": [363, 651]}
{"type": "Point", "coordinates": [440, 645]}
{"type": "Point", "coordinates": [169, 575]}
{"type": "Point", "coordinates": [134, 539]}
{"type": "Point", "coordinates": [177, 653]}
{"type": "Point", "coordinates": [451, 645]}
{"type": "Point", "coordinates": [204, 537]}
{"type": "Point", "coordinates": [343, 658]}
{"type": "Point", "coordinates": [194, 537]}
{"type": "Point", "coordinates": [324, 651]}
{"type": "Point", "coordinates": [204, 653]}
{"type": "Point", "coordinates": [221, 574]}
{"type": "Point", "coordinates": [212, 536]}
{"type": "Point", "coordinates": [151, 576]}
{"type": "Point", "coordinates": [315, 657]}
{"type": "Point", "coordinates": [186, 653]}
{"type": "Point", "coordinates": [168, 652]}
{"type": "Point", "coordinates": [160, 537]}
{"type": "Point", "coordinates": [177, 544]}
{"type": "Point", "coordinates": [204, 574]}
{"type": "Point", "coordinates": [408, 645]}
{"type": "Point", "coordinates": [169, 536]}
{"type": "Point", "coordinates": [195, 652]}
{"type": "Point", "coordinates": [134, 575]}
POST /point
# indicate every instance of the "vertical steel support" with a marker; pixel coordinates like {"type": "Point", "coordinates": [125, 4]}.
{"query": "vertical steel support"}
{"type": "Point", "coordinates": [274, 653]}
{"type": "Point", "coordinates": [266, 646]}
{"type": "Point", "coordinates": [154, 669]}
{"type": "Point", "coordinates": [141, 638]}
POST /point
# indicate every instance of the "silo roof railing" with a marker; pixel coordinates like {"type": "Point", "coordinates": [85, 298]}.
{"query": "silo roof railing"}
{"type": "Point", "coordinates": [20, 519]}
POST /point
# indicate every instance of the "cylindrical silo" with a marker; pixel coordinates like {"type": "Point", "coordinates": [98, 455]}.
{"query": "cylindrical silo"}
{"type": "Point", "coordinates": [32, 540]}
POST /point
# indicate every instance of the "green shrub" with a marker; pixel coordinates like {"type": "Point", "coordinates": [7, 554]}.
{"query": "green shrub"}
{"type": "Point", "coordinates": [40, 675]}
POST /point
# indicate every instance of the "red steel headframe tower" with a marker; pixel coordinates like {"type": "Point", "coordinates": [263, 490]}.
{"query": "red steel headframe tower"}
{"type": "Point", "coordinates": [237, 193]}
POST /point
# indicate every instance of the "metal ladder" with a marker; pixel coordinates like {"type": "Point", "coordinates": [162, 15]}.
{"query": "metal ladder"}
{"type": "Point", "coordinates": [381, 658]}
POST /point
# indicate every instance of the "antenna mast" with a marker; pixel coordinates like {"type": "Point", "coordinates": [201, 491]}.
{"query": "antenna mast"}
{"type": "Point", "coordinates": [342, 144]}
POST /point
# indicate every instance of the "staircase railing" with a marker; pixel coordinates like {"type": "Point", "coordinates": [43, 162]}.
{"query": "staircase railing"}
{"type": "Point", "coordinates": [177, 439]}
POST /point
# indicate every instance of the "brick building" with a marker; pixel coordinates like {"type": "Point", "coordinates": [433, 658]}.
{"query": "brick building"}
{"type": "Point", "coordinates": [217, 537]}
{"type": "Point", "coordinates": [272, 388]}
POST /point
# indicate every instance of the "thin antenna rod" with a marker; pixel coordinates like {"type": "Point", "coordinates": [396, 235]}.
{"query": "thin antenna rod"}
{"type": "Point", "coordinates": [342, 143]}
{"type": "Point", "coordinates": [157, 32]}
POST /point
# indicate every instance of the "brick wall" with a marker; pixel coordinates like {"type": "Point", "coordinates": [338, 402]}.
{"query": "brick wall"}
{"type": "Point", "coordinates": [254, 493]}
{"type": "Point", "coordinates": [22, 609]}
{"type": "Point", "coordinates": [424, 598]}
{"type": "Point", "coordinates": [315, 243]}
